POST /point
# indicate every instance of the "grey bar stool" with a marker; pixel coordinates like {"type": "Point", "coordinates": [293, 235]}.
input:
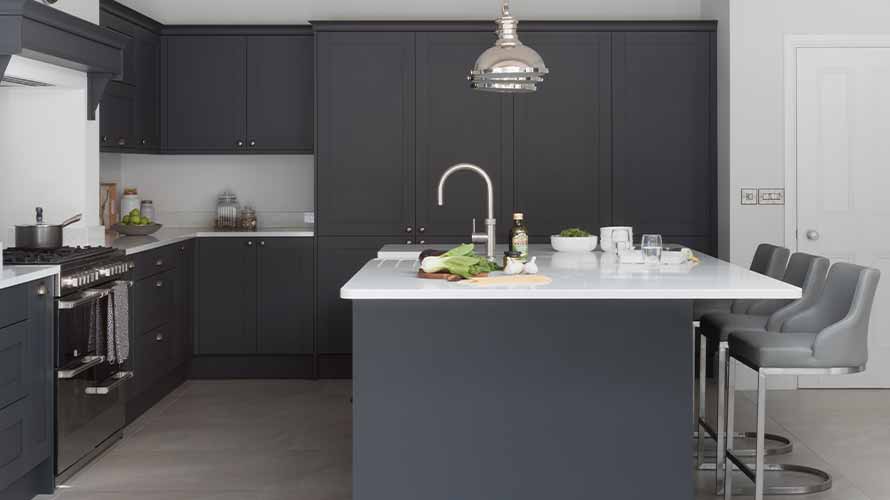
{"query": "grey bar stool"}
{"type": "Point", "coordinates": [805, 271]}
{"type": "Point", "coordinates": [768, 260]}
{"type": "Point", "coordinates": [828, 338]}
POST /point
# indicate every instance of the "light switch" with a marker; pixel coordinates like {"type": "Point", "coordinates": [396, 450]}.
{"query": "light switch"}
{"type": "Point", "coordinates": [749, 196]}
{"type": "Point", "coordinates": [774, 196]}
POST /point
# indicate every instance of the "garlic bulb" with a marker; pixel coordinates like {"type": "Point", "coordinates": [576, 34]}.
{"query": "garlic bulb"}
{"type": "Point", "coordinates": [513, 267]}
{"type": "Point", "coordinates": [531, 267]}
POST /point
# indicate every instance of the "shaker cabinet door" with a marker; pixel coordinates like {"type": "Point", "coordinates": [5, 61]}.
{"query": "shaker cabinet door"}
{"type": "Point", "coordinates": [147, 68]}
{"type": "Point", "coordinates": [205, 92]}
{"type": "Point", "coordinates": [285, 295]}
{"type": "Point", "coordinates": [456, 124]}
{"type": "Point", "coordinates": [365, 146]}
{"type": "Point", "coordinates": [562, 148]}
{"type": "Point", "coordinates": [227, 291]}
{"type": "Point", "coordinates": [280, 95]}
{"type": "Point", "coordinates": [664, 136]}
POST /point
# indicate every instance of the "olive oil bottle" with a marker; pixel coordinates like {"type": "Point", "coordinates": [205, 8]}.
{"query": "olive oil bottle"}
{"type": "Point", "coordinates": [519, 237]}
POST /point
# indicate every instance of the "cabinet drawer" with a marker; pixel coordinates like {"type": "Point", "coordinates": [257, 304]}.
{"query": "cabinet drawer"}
{"type": "Point", "coordinates": [153, 301]}
{"type": "Point", "coordinates": [154, 261]}
{"type": "Point", "coordinates": [13, 305]}
{"type": "Point", "coordinates": [13, 363]}
{"type": "Point", "coordinates": [154, 356]}
{"type": "Point", "coordinates": [12, 443]}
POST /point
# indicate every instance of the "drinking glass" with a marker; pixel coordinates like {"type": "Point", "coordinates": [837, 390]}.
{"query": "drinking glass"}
{"type": "Point", "coordinates": [651, 246]}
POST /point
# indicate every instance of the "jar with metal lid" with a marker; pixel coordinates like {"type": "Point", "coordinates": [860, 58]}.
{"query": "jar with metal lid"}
{"type": "Point", "coordinates": [147, 208]}
{"type": "Point", "coordinates": [248, 218]}
{"type": "Point", "coordinates": [227, 211]}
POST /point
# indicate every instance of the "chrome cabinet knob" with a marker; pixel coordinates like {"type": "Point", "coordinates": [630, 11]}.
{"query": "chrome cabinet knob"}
{"type": "Point", "coordinates": [250, 243]}
{"type": "Point", "coordinates": [239, 143]}
{"type": "Point", "coordinates": [409, 242]}
{"type": "Point", "coordinates": [409, 229]}
{"type": "Point", "coordinates": [422, 242]}
{"type": "Point", "coordinates": [159, 337]}
{"type": "Point", "coordinates": [159, 283]}
{"type": "Point", "coordinates": [159, 262]}
{"type": "Point", "coordinates": [421, 229]}
{"type": "Point", "coordinates": [262, 243]}
{"type": "Point", "coordinates": [41, 290]}
{"type": "Point", "coordinates": [252, 143]}
{"type": "Point", "coordinates": [813, 235]}
{"type": "Point", "coordinates": [144, 142]}
{"type": "Point", "coordinates": [122, 141]}
{"type": "Point", "coordinates": [104, 138]}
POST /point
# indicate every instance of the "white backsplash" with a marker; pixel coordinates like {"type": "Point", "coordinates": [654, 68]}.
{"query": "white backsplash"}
{"type": "Point", "coordinates": [184, 188]}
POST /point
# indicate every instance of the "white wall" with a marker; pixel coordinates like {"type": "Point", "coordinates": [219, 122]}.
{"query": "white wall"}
{"type": "Point", "coordinates": [757, 100]}
{"type": "Point", "coordinates": [184, 188]}
{"type": "Point", "coordinates": [302, 11]}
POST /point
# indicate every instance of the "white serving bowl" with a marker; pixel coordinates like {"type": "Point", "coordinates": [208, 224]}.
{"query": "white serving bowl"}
{"type": "Point", "coordinates": [581, 244]}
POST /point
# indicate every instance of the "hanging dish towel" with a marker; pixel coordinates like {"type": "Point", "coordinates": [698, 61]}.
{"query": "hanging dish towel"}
{"type": "Point", "coordinates": [118, 324]}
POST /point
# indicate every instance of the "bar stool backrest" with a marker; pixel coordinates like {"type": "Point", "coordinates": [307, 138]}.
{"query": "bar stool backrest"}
{"type": "Point", "coordinates": [840, 316]}
{"type": "Point", "coordinates": [805, 271]}
{"type": "Point", "coordinates": [769, 260]}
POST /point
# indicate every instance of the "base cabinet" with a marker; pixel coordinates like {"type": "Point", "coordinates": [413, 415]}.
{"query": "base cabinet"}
{"type": "Point", "coordinates": [255, 296]}
{"type": "Point", "coordinates": [26, 389]}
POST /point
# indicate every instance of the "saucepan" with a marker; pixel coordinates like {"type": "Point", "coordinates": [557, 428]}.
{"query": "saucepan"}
{"type": "Point", "coordinates": [41, 236]}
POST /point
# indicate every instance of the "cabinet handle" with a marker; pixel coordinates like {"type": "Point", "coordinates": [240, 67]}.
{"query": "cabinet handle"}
{"type": "Point", "coordinates": [41, 290]}
{"type": "Point", "coordinates": [104, 138]}
{"type": "Point", "coordinates": [421, 229]}
{"type": "Point", "coordinates": [252, 143]}
{"type": "Point", "coordinates": [159, 337]}
{"type": "Point", "coordinates": [159, 283]}
{"type": "Point", "coordinates": [159, 262]}
{"type": "Point", "coordinates": [422, 242]}
{"type": "Point", "coordinates": [409, 242]}
{"type": "Point", "coordinates": [262, 243]}
{"type": "Point", "coordinates": [122, 141]}
{"type": "Point", "coordinates": [182, 248]}
{"type": "Point", "coordinates": [144, 142]}
{"type": "Point", "coordinates": [250, 243]}
{"type": "Point", "coordinates": [239, 143]}
{"type": "Point", "coordinates": [409, 229]}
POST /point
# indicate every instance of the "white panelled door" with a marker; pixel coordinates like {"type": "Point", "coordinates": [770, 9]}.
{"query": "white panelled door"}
{"type": "Point", "coordinates": [843, 178]}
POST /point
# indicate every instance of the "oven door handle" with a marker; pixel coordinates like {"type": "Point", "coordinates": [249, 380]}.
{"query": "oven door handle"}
{"type": "Point", "coordinates": [79, 366]}
{"type": "Point", "coordinates": [85, 298]}
{"type": "Point", "coordinates": [109, 385]}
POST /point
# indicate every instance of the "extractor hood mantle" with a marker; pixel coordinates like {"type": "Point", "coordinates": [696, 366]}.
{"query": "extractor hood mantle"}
{"type": "Point", "coordinates": [36, 31]}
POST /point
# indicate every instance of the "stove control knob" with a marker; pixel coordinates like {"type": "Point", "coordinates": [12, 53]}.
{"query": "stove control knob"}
{"type": "Point", "coordinates": [105, 271]}
{"type": "Point", "coordinates": [69, 282]}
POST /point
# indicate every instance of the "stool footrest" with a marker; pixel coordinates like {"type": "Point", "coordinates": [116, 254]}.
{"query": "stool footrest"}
{"type": "Point", "coordinates": [785, 447]}
{"type": "Point", "coordinates": [823, 485]}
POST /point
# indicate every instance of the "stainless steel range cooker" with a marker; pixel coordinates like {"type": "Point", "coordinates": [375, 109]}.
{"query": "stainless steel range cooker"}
{"type": "Point", "coordinates": [90, 398]}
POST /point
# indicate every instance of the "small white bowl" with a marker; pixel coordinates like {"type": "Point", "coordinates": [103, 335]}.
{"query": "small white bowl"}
{"type": "Point", "coordinates": [581, 244]}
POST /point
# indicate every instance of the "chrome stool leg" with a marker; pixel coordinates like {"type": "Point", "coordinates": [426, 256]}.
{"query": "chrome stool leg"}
{"type": "Point", "coordinates": [757, 475]}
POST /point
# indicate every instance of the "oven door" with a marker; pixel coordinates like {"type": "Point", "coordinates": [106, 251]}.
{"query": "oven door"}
{"type": "Point", "coordinates": [90, 402]}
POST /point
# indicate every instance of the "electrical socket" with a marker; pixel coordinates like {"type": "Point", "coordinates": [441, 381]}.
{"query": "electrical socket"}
{"type": "Point", "coordinates": [749, 196]}
{"type": "Point", "coordinates": [772, 196]}
{"type": "Point", "coordinates": [309, 217]}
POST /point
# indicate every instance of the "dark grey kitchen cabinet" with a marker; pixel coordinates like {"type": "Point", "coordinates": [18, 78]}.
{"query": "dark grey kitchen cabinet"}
{"type": "Point", "coordinates": [226, 296]}
{"type": "Point", "coordinates": [338, 259]}
{"type": "Point", "coordinates": [254, 296]}
{"type": "Point", "coordinates": [365, 145]}
{"type": "Point", "coordinates": [456, 124]}
{"type": "Point", "coordinates": [285, 296]}
{"type": "Point", "coordinates": [238, 90]}
{"type": "Point", "coordinates": [664, 146]}
{"type": "Point", "coordinates": [280, 93]}
{"type": "Point", "coordinates": [117, 111]}
{"type": "Point", "coordinates": [562, 163]}
{"type": "Point", "coordinates": [140, 107]}
{"type": "Point", "coordinates": [26, 389]}
{"type": "Point", "coordinates": [184, 301]}
{"type": "Point", "coordinates": [204, 92]}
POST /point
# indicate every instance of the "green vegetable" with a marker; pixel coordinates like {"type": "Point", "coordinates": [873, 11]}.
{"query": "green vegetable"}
{"type": "Point", "coordinates": [574, 232]}
{"type": "Point", "coordinates": [460, 260]}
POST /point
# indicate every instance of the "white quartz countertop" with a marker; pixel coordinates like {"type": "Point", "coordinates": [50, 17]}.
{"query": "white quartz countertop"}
{"type": "Point", "coordinates": [168, 236]}
{"type": "Point", "coordinates": [595, 275]}
{"type": "Point", "coordinates": [16, 275]}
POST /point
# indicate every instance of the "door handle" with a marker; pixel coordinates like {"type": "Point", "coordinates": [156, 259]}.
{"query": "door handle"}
{"type": "Point", "coordinates": [813, 235]}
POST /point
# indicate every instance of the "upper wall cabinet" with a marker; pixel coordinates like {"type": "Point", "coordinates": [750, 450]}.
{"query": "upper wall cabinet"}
{"type": "Point", "coordinates": [130, 111]}
{"type": "Point", "coordinates": [664, 156]}
{"type": "Point", "coordinates": [232, 90]}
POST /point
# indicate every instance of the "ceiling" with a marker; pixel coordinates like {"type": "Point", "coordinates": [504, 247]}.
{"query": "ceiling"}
{"type": "Point", "coordinates": [302, 11]}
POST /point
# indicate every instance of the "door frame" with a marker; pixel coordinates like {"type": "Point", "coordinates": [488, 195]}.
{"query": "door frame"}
{"type": "Point", "coordinates": [792, 44]}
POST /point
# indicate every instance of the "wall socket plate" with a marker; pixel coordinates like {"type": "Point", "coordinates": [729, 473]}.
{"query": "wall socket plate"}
{"type": "Point", "coordinates": [308, 217]}
{"type": "Point", "coordinates": [749, 196]}
{"type": "Point", "coordinates": [771, 196]}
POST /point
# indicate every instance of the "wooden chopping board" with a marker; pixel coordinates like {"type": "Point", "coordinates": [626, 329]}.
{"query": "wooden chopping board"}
{"type": "Point", "coordinates": [445, 276]}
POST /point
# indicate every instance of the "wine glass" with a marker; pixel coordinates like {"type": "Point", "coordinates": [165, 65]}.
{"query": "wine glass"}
{"type": "Point", "coordinates": [651, 245]}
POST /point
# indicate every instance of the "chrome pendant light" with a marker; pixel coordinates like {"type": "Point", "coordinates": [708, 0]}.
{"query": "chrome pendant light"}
{"type": "Point", "coordinates": [509, 66]}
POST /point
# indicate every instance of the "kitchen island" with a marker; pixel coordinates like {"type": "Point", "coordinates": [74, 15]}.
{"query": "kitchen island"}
{"type": "Point", "coordinates": [569, 390]}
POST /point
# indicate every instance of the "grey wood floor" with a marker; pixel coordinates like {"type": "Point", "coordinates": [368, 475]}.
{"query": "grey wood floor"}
{"type": "Point", "coordinates": [291, 439]}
